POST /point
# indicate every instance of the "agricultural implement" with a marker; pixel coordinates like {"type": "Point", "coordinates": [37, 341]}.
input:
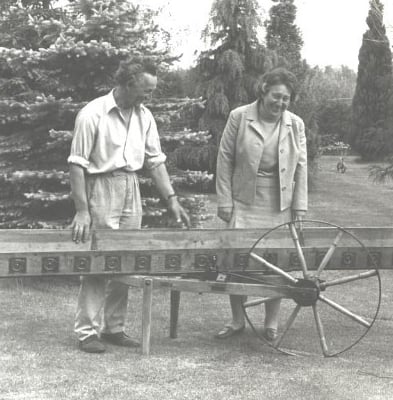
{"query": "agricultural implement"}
{"type": "Point", "coordinates": [327, 276]}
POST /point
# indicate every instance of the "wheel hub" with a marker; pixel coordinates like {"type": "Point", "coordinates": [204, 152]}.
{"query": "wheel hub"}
{"type": "Point", "coordinates": [306, 298]}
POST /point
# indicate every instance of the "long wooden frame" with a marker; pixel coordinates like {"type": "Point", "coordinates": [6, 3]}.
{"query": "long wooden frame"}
{"type": "Point", "coordinates": [138, 257]}
{"type": "Point", "coordinates": [144, 252]}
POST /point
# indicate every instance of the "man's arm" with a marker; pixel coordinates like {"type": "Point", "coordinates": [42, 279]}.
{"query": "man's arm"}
{"type": "Point", "coordinates": [160, 177]}
{"type": "Point", "coordinates": [82, 220]}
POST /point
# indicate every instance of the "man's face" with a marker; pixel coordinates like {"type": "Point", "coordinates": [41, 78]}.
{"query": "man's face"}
{"type": "Point", "coordinates": [141, 90]}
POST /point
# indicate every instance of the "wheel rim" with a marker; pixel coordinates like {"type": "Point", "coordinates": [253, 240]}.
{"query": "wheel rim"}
{"type": "Point", "coordinates": [321, 291]}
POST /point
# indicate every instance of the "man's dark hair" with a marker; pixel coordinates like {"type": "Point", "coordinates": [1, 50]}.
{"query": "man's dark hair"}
{"type": "Point", "coordinates": [278, 76]}
{"type": "Point", "coordinates": [129, 69]}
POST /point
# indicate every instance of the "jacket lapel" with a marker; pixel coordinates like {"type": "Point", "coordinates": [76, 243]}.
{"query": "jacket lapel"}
{"type": "Point", "coordinates": [253, 120]}
{"type": "Point", "coordinates": [286, 126]}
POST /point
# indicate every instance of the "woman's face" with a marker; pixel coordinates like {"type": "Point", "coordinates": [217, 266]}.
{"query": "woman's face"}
{"type": "Point", "coordinates": [276, 100]}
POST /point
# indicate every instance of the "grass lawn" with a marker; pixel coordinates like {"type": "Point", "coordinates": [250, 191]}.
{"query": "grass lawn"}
{"type": "Point", "coordinates": [39, 358]}
{"type": "Point", "coordinates": [348, 200]}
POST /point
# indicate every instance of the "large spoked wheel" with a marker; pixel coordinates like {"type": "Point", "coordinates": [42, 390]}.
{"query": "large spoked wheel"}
{"type": "Point", "coordinates": [328, 284]}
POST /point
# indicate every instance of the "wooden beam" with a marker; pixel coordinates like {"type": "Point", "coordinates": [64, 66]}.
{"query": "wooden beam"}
{"type": "Point", "coordinates": [174, 313]}
{"type": "Point", "coordinates": [197, 286]}
{"type": "Point", "coordinates": [110, 252]}
{"type": "Point", "coordinates": [146, 314]}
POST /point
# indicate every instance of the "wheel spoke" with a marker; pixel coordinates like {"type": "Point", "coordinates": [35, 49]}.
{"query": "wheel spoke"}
{"type": "Point", "coordinates": [308, 284]}
{"type": "Point", "coordinates": [287, 325]}
{"type": "Point", "coordinates": [272, 267]}
{"type": "Point", "coordinates": [320, 330]}
{"type": "Point", "coordinates": [299, 250]}
{"type": "Point", "coordinates": [345, 311]}
{"type": "Point", "coordinates": [262, 300]}
{"type": "Point", "coordinates": [349, 278]}
{"type": "Point", "coordinates": [329, 253]}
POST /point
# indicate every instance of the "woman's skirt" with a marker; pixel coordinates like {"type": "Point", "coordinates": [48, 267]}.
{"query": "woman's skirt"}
{"type": "Point", "coordinates": [265, 211]}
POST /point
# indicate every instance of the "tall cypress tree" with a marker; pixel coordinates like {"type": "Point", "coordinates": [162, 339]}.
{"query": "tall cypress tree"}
{"type": "Point", "coordinates": [284, 37]}
{"type": "Point", "coordinates": [230, 68]}
{"type": "Point", "coordinates": [282, 34]}
{"type": "Point", "coordinates": [370, 134]}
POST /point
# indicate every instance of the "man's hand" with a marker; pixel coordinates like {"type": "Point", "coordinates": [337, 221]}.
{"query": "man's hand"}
{"type": "Point", "coordinates": [225, 213]}
{"type": "Point", "coordinates": [81, 226]}
{"type": "Point", "coordinates": [82, 220]}
{"type": "Point", "coordinates": [178, 211]}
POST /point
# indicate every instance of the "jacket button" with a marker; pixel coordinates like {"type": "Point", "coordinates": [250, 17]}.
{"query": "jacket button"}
{"type": "Point", "coordinates": [282, 151]}
{"type": "Point", "coordinates": [282, 169]}
{"type": "Point", "coordinates": [284, 188]}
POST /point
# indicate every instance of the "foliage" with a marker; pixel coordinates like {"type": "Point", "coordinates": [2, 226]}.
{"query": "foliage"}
{"type": "Point", "coordinates": [283, 36]}
{"type": "Point", "coordinates": [334, 89]}
{"type": "Point", "coordinates": [331, 145]}
{"type": "Point", "coordinates": [229, 70]}
{"type": "Point", "coordinates": [322, 102]}
{"type": "Point", "coordinates": [19, 21]}
{"type": "Point", "coordinates": [69, 59]}
{"type": "Point", "coordinates": [173, 84]}
{"type": "Point", "coordinates": [382, 173]}
{"type": "Point", "coordinates": [371, 135]}
{"type": "Point", "coordinates": [334, 119]}
{"type": "Point", "coordinates": [195, 158]}
{"type": "Point", "coordinates": [83, 50]}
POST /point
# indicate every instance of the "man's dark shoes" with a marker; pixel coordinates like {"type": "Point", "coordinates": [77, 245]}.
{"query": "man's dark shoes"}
{"type": "Point", "coordinates": [228, 332]}
{"type": "Point", "coordinates": [92, 344]}
{"type": "Point", "coordinates": [119, 339]}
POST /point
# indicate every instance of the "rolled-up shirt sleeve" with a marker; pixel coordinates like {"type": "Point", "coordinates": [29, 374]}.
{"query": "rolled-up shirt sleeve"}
{"type": "Point", "coordinates": [83, 140]}
{"type": "Point", "coordinates": [153, 153]}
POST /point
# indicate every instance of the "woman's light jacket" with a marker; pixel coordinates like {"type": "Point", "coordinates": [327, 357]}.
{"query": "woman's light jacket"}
{"type": "Point", "coordinates": [240, 153]}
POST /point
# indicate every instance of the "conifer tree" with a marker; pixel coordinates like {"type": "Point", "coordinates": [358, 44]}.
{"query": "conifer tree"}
{"type": "Point", "coordinates": [283, 35]}
{"type": "Point", "coordinates": [230, 68]}
{"type": "Point", "coordinates": [371, 134]}
{"type": "Point", "coordinates": [55, 61]}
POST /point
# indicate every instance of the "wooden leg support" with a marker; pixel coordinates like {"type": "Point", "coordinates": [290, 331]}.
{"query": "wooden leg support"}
{"type": "Point", "coordinates": [174, 316]}
{"type": "Point", "coordinates": [146, 314]}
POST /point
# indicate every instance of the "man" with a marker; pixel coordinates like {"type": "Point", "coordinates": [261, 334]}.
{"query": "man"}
{"type": "Point", "coordinates": [114, 136]}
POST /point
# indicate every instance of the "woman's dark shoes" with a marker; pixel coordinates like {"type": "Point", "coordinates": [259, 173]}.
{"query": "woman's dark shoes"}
{"type": "Point", "coordinates": [228, 332]}
{"type": "Point", "coordinates": [119, 339]}
{"type": "Point", "coordinates": [270, 334]}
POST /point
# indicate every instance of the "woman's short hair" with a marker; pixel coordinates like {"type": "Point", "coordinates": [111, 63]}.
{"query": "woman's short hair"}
{"type": "Point", "coordinates": [129, 69]}
{"type": "Point", "coordinates": [278, 76]}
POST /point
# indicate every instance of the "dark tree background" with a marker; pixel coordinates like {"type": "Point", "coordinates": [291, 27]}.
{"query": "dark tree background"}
{"type": "Point", "coordinates": [284, 36]}
{"type": "Point", "coordinates": [53, 60]}
{"type": "Point", "coordinates": [371, 134]}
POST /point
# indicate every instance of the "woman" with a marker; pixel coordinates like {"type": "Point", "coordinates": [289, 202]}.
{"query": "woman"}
{"type": "Point", "coordinates": [262, 173]}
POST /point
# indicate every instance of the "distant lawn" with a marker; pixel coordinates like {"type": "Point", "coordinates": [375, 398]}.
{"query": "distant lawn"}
{"type": "Point", "coordinates": [348, 200]}
{"type": "Point", "coordinates": [39, 359]}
